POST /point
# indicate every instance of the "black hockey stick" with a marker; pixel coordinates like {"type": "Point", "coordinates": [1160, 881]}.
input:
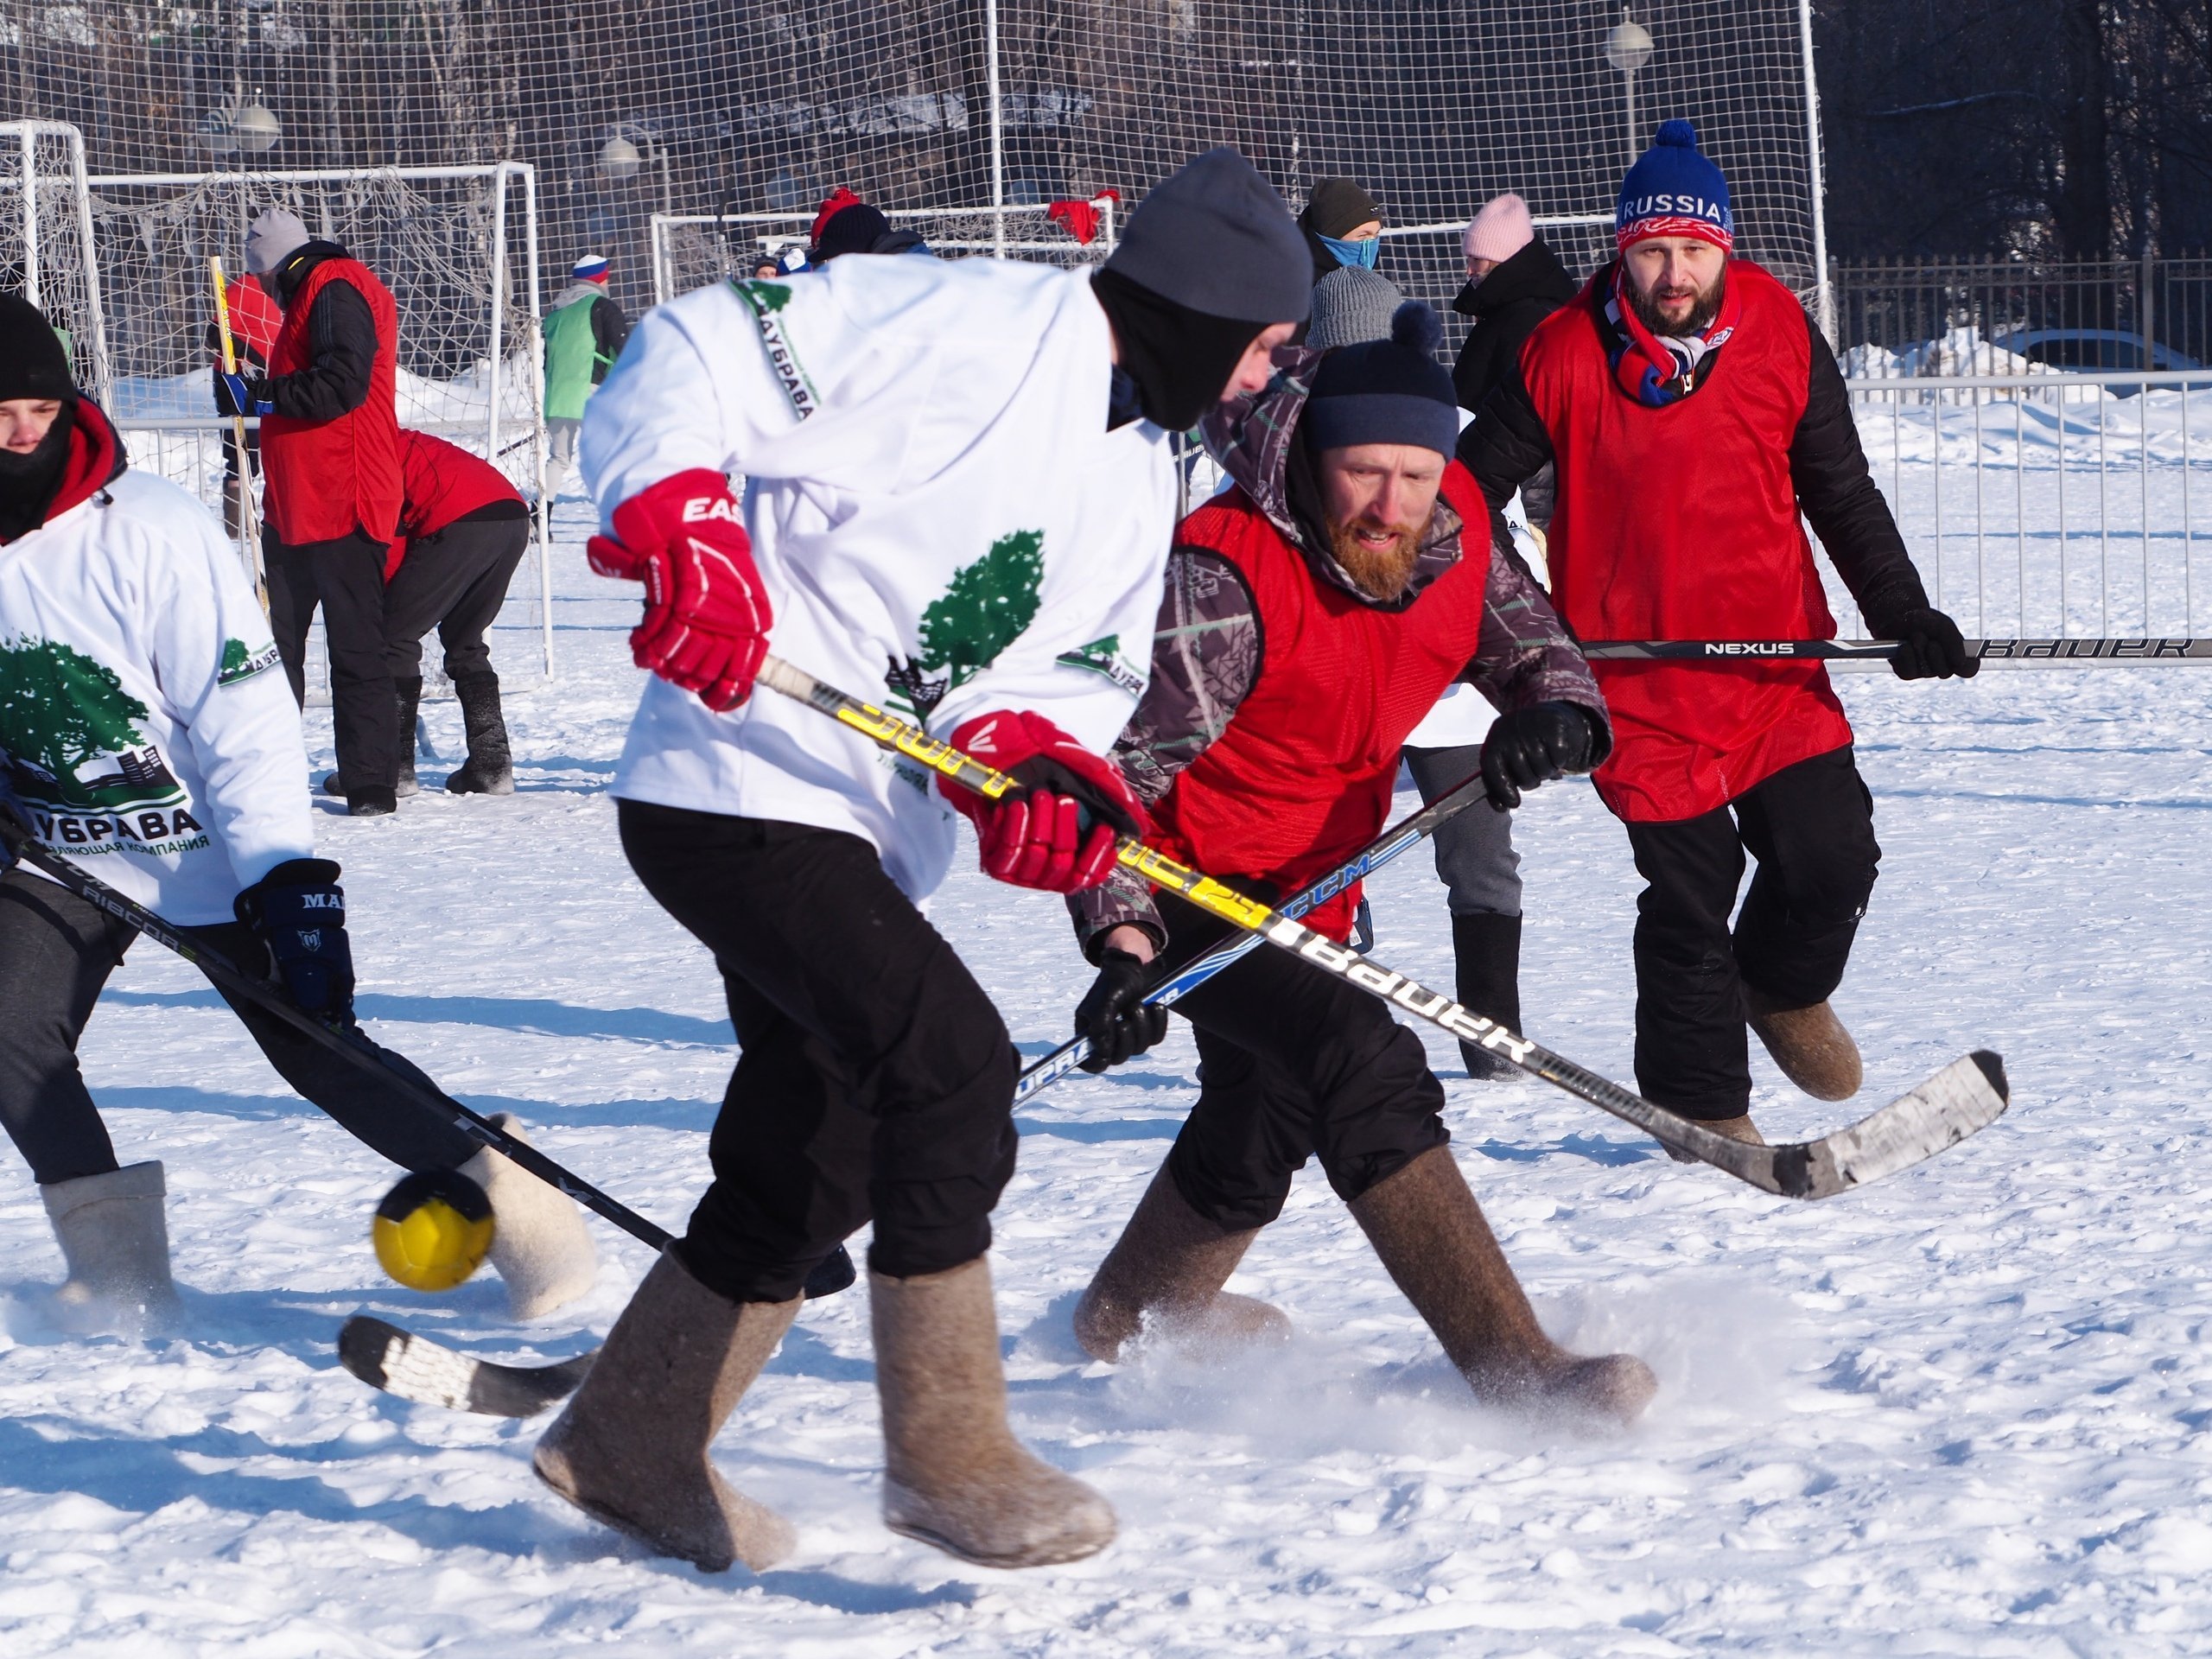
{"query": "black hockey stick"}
{"type": "Point", "coordinates": [1964, 1097]}
{"type": "Point", "coordinates": [1413, 829]}
{"type": "Point", "coordinates": [1985, 651]}
{"type": "Point", "coordinates": [436, 1102]}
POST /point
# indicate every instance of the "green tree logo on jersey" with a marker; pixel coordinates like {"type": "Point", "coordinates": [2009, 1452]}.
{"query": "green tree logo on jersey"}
{"type": "Point", "coordinates": [764, 296]}
{"type": "Point", "coordinates": [986, 609]}
{"type": "Point", "coordinates": [70, 732]}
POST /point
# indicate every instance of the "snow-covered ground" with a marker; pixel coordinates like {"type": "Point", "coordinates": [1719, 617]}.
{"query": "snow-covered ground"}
{"type": "Point", "coordinates": [1963, 1412]}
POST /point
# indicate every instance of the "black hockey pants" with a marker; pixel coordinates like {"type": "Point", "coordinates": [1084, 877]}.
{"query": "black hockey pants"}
{"type": "Point", "coordinates": [1811, 827]}
{"type": "Point", "coordinates": [874, 1079]}
{"type": "Point", "coordinates": [1291, 1063]}
{"type": "Point", "coordinates": [454, 581]}
{"type": "Point", "coordinates": [345, 577]}
{"type": "Point", "coordinates": [56, 953]}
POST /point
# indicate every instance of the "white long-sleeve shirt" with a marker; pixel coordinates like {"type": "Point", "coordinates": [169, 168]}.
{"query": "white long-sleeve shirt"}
{"type": "Point", "coordinates": [944, 526]}
{"type": "Point", "coordinates": [144, 719]}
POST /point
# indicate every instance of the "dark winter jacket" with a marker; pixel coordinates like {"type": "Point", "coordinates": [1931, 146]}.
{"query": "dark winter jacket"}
{"type": "Point", "coordinates": [1682, 522]}
{"type": "Point", "coordinates": [1507, 305]}
{"type": "Point", "coordinates": [1208, 649]}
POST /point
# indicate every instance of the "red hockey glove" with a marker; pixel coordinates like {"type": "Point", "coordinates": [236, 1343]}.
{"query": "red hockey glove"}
{"type": "Point", "coordinates": [1058, 832]}
{"type": "Point", "coordinates": [707, 611]}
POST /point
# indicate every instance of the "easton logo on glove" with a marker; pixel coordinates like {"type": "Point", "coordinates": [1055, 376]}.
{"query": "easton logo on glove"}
{"type": "Point", "coordinates": [1058, 832]}
{"type": "Point", "coordinates": [707, 611]}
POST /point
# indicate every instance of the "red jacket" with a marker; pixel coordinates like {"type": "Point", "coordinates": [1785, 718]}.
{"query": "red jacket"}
{"type": "Point", "coordinates": [1681, 522]}
{"type": "Point", "coordinates": [329, 479]}
{"type": "Point", "coordinates": [1301, 780]}
{"type": "Point", "coordinates": [442, 482]}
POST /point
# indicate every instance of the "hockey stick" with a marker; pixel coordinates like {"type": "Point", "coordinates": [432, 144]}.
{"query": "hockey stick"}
{"type": "Point", "coordinates": [249, 534]}
{"type": "Point", "coordinates": [436, 1102]}
{"type": "Point", "coordinates": [1984, 651]}
{"type": "Point", "coordinates": [1963, 1097]}
{"type": "Point", "coordinates": [1413, 829]}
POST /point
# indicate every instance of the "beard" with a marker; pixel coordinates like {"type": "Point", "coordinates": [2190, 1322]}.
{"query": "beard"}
{"type": "Point", "coordinates": [1380, 573]}
{"type": "Point", "coordinates": [1647, 307]}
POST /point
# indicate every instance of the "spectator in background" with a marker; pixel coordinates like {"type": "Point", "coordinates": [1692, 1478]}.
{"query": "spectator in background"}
{"type": "Point", "coordinates": [1352, 304]}
{"type": "Point", "coordinates": [255, 319]}
{"type": "Point", "coordinates": [330, 454]}
{"type": "Point", "coordinates": [584, 333]}
{"type": "Point", "coordinates": [1514, 282]}
{"type": "Point", "coordinates": [1342, 227]}
{"type": "Point", "coordinates": [848, 225]}
{"type": "Point", "coordinates": [463, 531]}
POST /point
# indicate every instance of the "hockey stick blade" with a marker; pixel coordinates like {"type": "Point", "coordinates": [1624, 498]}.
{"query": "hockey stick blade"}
{"type": "Point", "coordinates": [430, 1374]}
{"type": "Point", "coordinates": [1965, 1097]}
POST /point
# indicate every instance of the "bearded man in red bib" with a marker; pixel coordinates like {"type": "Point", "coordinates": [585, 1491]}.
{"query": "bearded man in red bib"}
{"type": "Point", "coordinates": [1693, 414]}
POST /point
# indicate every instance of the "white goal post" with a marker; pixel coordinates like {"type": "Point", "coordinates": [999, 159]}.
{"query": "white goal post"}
{"type": "Point", "coordinates": [47, 241]}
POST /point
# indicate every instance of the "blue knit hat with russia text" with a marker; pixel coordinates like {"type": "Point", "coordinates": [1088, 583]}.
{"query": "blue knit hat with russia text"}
{"type": "Point", "coordinates": [1673, 190]}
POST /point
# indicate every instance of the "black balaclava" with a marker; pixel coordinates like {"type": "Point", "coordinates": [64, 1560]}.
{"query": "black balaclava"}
{"type": "Point", "coordinates": [29, 483]}
{"type": "Point", "coordinates": [1178, 358]}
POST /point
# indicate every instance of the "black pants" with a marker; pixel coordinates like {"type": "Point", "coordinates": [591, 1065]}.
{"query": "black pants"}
{"type": "Point", "coordinates": [1811, 827]}
{"type": "Point", "coordinates": [875, 1079]}
{"type": "Point", "coordinates": [345, 577]}
{"type": "Point", "coordinates": [56, 953]}
{"type": "Point", "coordinates": [1291, 1063]}
{"type": "Point", "coordinates": [454, 581]}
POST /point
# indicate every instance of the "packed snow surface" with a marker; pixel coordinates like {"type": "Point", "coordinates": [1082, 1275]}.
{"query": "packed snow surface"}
{"type": "Point", "coordinates": [1962, 1412]}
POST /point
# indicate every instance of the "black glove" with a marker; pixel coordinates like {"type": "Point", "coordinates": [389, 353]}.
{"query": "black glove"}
{"type": "Point", "coordinates": [1534, 745]}
{"type": "Point", "coordinates": [1930, 647]}
{"type": "Point", "coordinates": [298, 912]}
{"type": "Point", "coordinates": [1113, 1015]}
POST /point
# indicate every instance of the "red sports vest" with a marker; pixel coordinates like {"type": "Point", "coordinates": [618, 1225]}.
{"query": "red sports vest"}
{"type": "Point", "coordinates": [1301, 780]}
{"type": "Point", "coordinates": [328, 478]}
{"type": "Point", "coordinates": [443, 482]}
{"type": "Point", "coordinates": [1681, 522]}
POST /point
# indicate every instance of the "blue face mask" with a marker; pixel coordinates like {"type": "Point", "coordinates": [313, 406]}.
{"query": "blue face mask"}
{"type": "Point", "coordinates": [1363, 254]}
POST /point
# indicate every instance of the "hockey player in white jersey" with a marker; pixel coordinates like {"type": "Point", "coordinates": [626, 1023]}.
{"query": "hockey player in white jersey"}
{"type": "Point", "coordinates": [958, 503]}
{"type": "Point", "coordinates": [147, 734]}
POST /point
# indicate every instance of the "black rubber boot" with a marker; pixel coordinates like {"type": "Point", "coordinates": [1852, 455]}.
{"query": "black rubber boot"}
{"type": "Point", "coordinates": [1488, 949]}
{"type": "Point", "coordinates": [490, 767]}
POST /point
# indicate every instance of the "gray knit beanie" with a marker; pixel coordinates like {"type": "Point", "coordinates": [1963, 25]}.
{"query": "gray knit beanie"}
{"type": "Point", "coordinates": [1215, 237]}
{"type": "Point", "coordinates": [1352, 304]}
{"type": "Point", "coordinates": [274, 238]}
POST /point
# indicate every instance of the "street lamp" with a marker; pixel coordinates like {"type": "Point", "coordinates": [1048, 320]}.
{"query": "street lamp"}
{"type": "Point", "coordinates": [257, 128]}
{"type": "Point", "coordinates": [620, 159]}
{"type": "Point", "coordinates": [1628, 49]}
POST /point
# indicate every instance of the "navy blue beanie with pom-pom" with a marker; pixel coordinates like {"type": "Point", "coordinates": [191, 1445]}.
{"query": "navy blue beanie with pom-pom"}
{"type": "Point", "coordinates": [1675, 190]}
{"type": "Point", "coordinates": [1389, 390]}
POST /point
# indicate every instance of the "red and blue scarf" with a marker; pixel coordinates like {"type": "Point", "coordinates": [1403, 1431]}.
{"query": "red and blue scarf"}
{"type": "Point", "coordinates": [1657, 370]}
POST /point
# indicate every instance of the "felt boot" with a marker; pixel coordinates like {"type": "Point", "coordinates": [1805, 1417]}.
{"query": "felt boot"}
{"type": "Point", "coordinates": [115, 1237]}
{"type": "Point", "coordinates": [631, 1448]}
{"type": "Point", "coordinates": [953, 1475]}
{"type": "Point", "coordinates": [1487, 949]}
{"type": "Point", "coordinates": [539, 1243]}
{"type": "Point", "coordinates": [1809, 1043]}
{"type": "Point", "coordinates": [490, 767]}
{"type": "Point", "coordinates": [1425, 1224]}
{"type": "Point", "coordinates": [1163, 1278]}
{"type": "Point", "coordinates": [1736, 1128]}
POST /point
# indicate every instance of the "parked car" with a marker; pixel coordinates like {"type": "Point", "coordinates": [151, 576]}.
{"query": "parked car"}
{"type": "Point", "coordinates": [2089, 350]}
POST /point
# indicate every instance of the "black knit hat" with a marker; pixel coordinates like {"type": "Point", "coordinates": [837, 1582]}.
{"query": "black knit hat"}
{"type": "Point", "coordinates": [1338, 207]}
{"type": "Point", "coordinates": [853, 229]}
{"type": "Point", "coordinates": [32, 362]}
{"type": "Point", "coordinates": [1389, 390]}
{"type": "Point", "coordinates": [1216, 238]}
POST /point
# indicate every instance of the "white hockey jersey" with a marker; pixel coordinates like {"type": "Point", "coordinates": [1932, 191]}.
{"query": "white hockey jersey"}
{"type": "Point", "coordinates": [944, 522]}
{"type": "Point", "coordinates": [144, 721]}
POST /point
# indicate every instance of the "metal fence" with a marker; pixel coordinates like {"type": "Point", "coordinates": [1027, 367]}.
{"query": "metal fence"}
{"type": "Point", "coordinates": [2047, 504]}
{"type": "Point", "coordinates": [2011, 316]}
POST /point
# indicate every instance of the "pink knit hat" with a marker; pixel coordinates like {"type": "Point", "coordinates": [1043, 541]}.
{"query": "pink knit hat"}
{"type": "Point", "coordinates": [1500, 230]}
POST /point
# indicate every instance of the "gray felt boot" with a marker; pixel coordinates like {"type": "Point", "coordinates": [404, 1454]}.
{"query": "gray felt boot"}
{"type": "Point", "coordinates": [631, 1449]}
{"type": "Point", "coordinates": [1426, 1225]}
{"type": "Point", "coordinates": [539, 1243]}
{"type": "Point", "coordinates": [953, 1475]}
{"type": "Point", "coordinates": [1163, 1278]}
{"type": "Point", "coordinates": [490, 767]}
{"type": "Point", "coordinates": [115, 1239]}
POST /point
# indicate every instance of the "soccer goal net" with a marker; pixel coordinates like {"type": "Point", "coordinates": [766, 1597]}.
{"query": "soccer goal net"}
{"type": "Point", "coordinates": [47, 240]}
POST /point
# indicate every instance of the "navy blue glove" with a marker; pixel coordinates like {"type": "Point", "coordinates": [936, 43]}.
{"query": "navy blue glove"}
{"type": "Point", "coordinates": [1534, 745]}
{"type": "Point", "coordinates": [247, 396]}
{"type": "Point", "coordinates": [1114, 1014]}
{"type": "Point", "coordinates": [298, 912]}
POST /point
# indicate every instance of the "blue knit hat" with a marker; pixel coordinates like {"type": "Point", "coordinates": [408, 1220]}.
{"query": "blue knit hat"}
{"type": "Point", "coordinates": [1389, 390]}
{"type": "Point", "coordinates": [1675, 190]}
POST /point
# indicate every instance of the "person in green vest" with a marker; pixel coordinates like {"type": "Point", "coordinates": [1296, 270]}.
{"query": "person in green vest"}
{"type": "Point", "coordinates": [584, 333]}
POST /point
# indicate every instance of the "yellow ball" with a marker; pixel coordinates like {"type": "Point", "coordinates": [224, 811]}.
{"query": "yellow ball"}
{"type": "Point", "coordinates": [432, 1229]}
